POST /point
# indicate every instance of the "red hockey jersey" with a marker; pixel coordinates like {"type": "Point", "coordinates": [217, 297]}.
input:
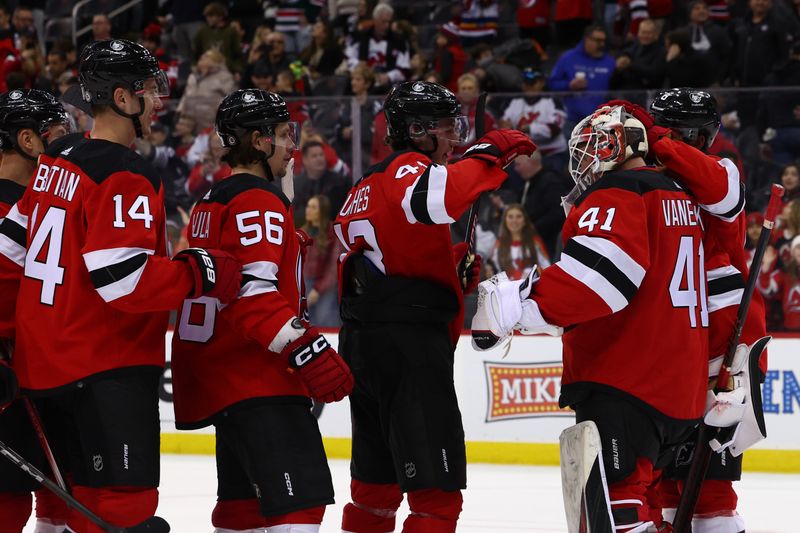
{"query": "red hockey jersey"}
{"type": "Point", "coordinates": [715, 183]}
{"type": "Point", "coordinates": [630, 290]}
{"type": "Point", "coordinates": [97, 281]}
{"type": "Point", "coordinates": [10, 269]}
{"type": "Point", "coordinates": [221, 357]}
{"type": "Point", "coordinates": [399, 216]}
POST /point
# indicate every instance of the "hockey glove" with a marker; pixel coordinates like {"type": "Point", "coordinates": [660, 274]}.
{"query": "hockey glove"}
{"type": "Point", "coordinates": [9, 387]}
{"type": "Point", "coordinates": [324, 372]}
{"type": "Point", "coordinates": [472, 270]}
{"type": "Point", "coordinates": [501, 147]}
{"type": "Point", "coordinates": [654, 132]}
{"type": "Point", "coordinates": [305, 240]}
{"type": "Point", "coordinates": [216, 273]}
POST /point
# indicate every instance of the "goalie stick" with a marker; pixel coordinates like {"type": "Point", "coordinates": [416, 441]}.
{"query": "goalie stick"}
{"type": "Point", "coordinates": [702, 453]}
{"type": "Point", "coordinates": [153, 524]}
{"type": "Point", "coordinates": [472, 220]}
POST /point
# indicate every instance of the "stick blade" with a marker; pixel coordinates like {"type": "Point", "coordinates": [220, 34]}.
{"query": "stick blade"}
{"type": "Point", "coordinates": [155, 524]}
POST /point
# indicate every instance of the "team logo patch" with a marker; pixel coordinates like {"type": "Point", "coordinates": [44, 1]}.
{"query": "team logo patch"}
{"type": "Point", "coordinates": [116, 46]}
{"type": "Point", "coordinates": [417, 87]}
{"type": "Point", "coordinates": [249, 98]}
{"type": "Point", "coordinates": [684, 454]}
{"type": "Point", "coordinates": [411, 470]}
{"type": "Point", "coordinates": [15, 95]}
{"type": "Point", "coordinates": [523, 390]}
{"type": "Point", "coordinates": [695, 97]}
{"type": "Point", "coordinates": [97, 463]}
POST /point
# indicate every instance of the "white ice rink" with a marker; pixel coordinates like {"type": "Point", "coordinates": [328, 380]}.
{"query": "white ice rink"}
{"type": "Point", "coordinates": [498, 499]}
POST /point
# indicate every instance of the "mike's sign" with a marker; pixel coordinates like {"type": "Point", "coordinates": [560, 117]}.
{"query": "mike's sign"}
{"type": "Point", "coordinates": [525, 390]}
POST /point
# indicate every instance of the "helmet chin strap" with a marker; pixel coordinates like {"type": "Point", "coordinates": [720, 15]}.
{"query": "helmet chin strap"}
{"type": "Point", "coordinates": [137, 124]}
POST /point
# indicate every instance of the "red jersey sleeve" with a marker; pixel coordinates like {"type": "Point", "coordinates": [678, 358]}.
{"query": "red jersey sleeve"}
{"type": "Point", "coordinates": [125, 249]}
{"type": "Point", "coordinates": [258, 230]}
{"type": "Point", "coordinates": [712, 181]}
{"type": "Point", "coordinates": [605, 258]}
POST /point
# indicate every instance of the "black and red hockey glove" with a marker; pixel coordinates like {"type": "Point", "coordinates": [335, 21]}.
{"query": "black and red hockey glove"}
{"type": "Point", "coordinates": [305, 240]}
{"type": "Point", "coordinates": [501, 147]}
{"type": "Point", "coordinates": [216, 273]}
{"type": "Point", "coordinates": [472, 272]}
{"type": "Point", "coordinates": [324, 372]}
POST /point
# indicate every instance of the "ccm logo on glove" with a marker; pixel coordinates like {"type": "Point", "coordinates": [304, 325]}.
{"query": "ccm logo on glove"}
{"type": "Point", "coordinates": [308, 352]}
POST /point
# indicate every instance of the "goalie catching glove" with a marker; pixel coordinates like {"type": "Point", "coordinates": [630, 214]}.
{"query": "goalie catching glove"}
{"type": "Point", "coordinates": [738, 412]}
{"type": "Point", "coordinates": [216, 273]}
{"type": "Point", "coordinates": [501, 147]}
{"type": "Point", "coordinates": [324, 372]}
{"type": "Point", "coordinates": [503, 306]}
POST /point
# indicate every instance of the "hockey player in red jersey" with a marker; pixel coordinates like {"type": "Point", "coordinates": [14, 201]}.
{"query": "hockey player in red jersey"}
{"type": "Point", "coordinates": [249, 368]}
{"type": "Point", "coordinates": [93, 302]}
{"type": "Point", "coordinates": [629, 291]}
{"type": "Point", "coordinates": [402, 309]}
{"type": "Point", "coordinates": [29, 119]}
{"type": "Point", "coordinates": [684, 124]}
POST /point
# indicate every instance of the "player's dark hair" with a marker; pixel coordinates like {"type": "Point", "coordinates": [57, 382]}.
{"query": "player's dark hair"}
{"type": "Point", "coordinates": [244, 153]}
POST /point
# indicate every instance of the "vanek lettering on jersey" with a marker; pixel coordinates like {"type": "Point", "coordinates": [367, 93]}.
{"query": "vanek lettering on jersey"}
{"type": "Point", "coordinates": [681, 212]}
{"type": "Point", "coordinates": [65, 180]}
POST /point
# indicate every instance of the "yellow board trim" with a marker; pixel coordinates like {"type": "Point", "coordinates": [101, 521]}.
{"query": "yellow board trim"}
{"type": "Point", "coordinates": [543, 454]}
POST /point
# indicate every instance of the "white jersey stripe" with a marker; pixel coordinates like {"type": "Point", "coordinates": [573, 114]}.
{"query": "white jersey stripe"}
{"type": "Point", "coordinates": [437, 183]}
{"type": "Point", "coordinates": [122, 287]}
{"type": "Point", "coordinates": [12, 250]}
{"type": "Point", "coordinates": [734, 194]}
{"type": "Point", "coordinates": [406, 203]}
{"type": "Point", "coordinates": [111, 256]}
{"type": "Point", "coordinates": [726, 299]}
{"type": "Point", "coordinates": [722, 272]}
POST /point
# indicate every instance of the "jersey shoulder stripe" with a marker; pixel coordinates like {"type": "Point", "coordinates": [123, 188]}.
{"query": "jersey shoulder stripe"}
{"type": "Point", "coordinates": [639, 181]}
{"type": "Point", "coordinates": [626, 283]}
{"type": "Point", "coordinates": [99, 159]}
{"type": "Point", "coordinates": [10, 192]}
{"type": "Point", "coordinates": [226, 190]}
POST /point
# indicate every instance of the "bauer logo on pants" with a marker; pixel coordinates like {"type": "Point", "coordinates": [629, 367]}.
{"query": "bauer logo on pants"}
{"type": "Point", "coordinates": [523, 390]}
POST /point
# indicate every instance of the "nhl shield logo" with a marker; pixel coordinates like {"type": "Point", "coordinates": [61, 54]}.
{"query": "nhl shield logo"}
{"type": "Point", "coordinates": [417, 87]}
{"type": "Point", "coordinates": [116, 46]}
{"type": "Point", "coordinates": [411, 470]}
{"type": "Point", "coordinates": [249, 98]}
{"type": "Point", "coordinates": [97, 463]}
{"type": "Point", "coordinates": [15, 95]}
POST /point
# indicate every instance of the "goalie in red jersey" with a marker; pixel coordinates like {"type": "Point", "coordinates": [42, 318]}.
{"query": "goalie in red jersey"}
{"type": "Point", "coordinates": [402, 309]}
{"type": "Point", "coordinates": [629, 293]}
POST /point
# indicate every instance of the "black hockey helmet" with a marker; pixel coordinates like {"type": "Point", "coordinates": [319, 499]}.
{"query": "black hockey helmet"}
{"type": "Point", "coordinates": [27, 108]}
{"type": "Point", "coordinates": [106, 65]}
{"type": "Point", "coordinates": [692, 112]}
{"type": "Point", "coordinates": [247, 110]}
{"type": "Point", "coordinates": [414, 109]}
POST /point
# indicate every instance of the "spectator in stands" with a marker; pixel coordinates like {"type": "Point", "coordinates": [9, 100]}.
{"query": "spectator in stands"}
{"type": "Point", "coordinates": [519, 247]}
{"type": "Point", "coordinates": [101, 27]}
{"type": "Point", "coordinates": [261, 76]}
{"type": "Point", "coordinates": [572, 17]}
{"type": "Point", "coordinates": [186, 19]}
{"type": "Point", "coordinates": [778, 119]}
{"type": "Point", "coordinates": [685, 66]}
{"type": "Point", "coordinates": [172, 170]}
{"type": "Point", "coordinates": [210, 170]}
{"type": "Point", "coordinates": [276, 57]}
{"type": "Point", "coordinates": [642, 65]}
{"type": "Point", "coordinates": [790, 179]}
{"type": "Point", "coordinates": [323, 55]}
{"type": "Point", "coordinates": [540, 116]}
{"type": "Point", "coordinates": [478, 22]}
{"type": "Point", "coordinates": [494, 75]}
{"type": "Point", "coordinates": [24, 29]}
{"type": "Point", "coordinates": [709, 38]}
{"type": "Point", "coordinates": [781, 286]}
{"type": "Point", "coordinates": [208, 84]}
{"type": "Point", "coordinates": [319, 266]}
{"type": "Point", "coordinates": [361, 80]}
{"type": "Point", "coordinates": [384, 50]}
{"type": "Point", "coordinates": [787, 227]}
{"type": "Point", "coordinates": [291, 19]}
{"type": "Point", "coordinates": [419, 67]}
{"type": "Point", "coordinates": [317, 179]}
{"type": "Point", "coordinates": [533, 19]}
{"type": "Point", "coordinates": [258, 46]}
{"type": "Point", "coordinates": [183, 135]}
{"type": "Point", "coordinates": [587, 67]}
{"type": "Point", "coordinates": [449, 56]}
{"type": "Point", "coordinates": [467, 94]}
{"type": "Point", "coordinates": [218, 34]}
{"type": "Point", "coordinates": [57, 64]}
{"type": "Point", "coordinates": [542, 190]}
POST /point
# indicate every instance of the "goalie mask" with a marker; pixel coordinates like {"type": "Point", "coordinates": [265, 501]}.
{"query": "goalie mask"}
{"type": "Point", "coordinates": [600, 143]}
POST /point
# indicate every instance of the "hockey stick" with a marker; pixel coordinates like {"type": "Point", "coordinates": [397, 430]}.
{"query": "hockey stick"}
{"type": "Point", "coordinates": [472, 220]}
{"type": "Point", "coordinates": [702, 452]}
{"type": "Point", "coordinates": [36, 420]}
{"type": "Point", "coordinates": [153, 524]}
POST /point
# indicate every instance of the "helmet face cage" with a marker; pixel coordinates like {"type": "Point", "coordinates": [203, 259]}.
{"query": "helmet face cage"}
{"type": "Point", "coordinates": [595, 147]}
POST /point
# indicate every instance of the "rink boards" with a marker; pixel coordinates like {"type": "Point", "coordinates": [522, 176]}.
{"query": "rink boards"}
{"type": "Point", "coordinates": [510, 407]}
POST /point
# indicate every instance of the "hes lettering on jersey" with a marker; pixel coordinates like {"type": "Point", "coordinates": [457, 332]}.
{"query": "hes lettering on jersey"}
{"type": "Point", "coordinates": [66, 181]}
{"type": "Point", "coordinates": [356, 202]}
